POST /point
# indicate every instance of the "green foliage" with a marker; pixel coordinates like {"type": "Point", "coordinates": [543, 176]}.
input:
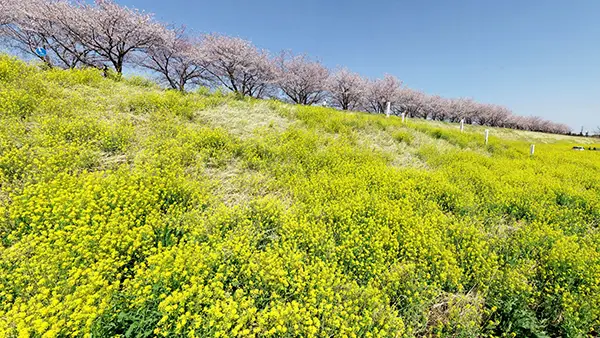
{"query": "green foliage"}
{"type": "Point", "coordinates": [116, 220]}
{"type": "Point", "coordinates": [87, 76]}
{"type": "Point", "coordinates": [403, 136]}
{"type": "Point", "coordinates": [455, 137]}
{"type": "Point", "coordinates": [140, 81]}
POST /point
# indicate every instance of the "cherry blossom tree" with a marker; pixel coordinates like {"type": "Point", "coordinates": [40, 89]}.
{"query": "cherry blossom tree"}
{"type": "Point", "coordinates": [411, 102]}
{"type": "Point", "coordinates": [346, 89]}
{"type": "Point", "coordinates": [497, 115]}
{"type": "Point", "coordinates": [463, 109]}
{"type": "Point", "coordinates": [436, 107]}
{"type": "Point", "coordinates": [471, 111]}
{"type": "Point", "coordinates": [516, 122]}
{"type": "Point", "coordinates": [6, 11]}
{"type": "Point", "coordinates": [104, 34]}
{"type": "Point", "coordinates": [236, 64]}
{"type": "Point", "coordinates": [560, 128]}
{"type": "Point", "coordinates": [301, 80]}
{"type": "Point", "coordinates": [380, 91]}
{"type": "Point", "coordinates": [30, 24]}
{"type": "Point", "coordinates": [20, 22]}
{"type": "Point", "coordinates": [536, 123]}
{"type": "Point", "coordinates": [174, 59]}
{"type": "Point", "coordinates": [525, 122]}
{"type": "Point", "coordinates": [113, 32]}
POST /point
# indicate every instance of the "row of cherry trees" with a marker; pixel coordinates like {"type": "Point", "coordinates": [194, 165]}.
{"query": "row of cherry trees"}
{"type": "Point", "coordinates": [109, 36]}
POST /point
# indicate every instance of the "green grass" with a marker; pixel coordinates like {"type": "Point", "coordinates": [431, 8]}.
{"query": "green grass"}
{"type": "Point", "coordinates": [128, 210]}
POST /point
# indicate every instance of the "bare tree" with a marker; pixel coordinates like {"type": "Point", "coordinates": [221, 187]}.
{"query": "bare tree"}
{"type": "Point", "coordinates": [379, 92]}
{"type": "Point", "coordinates": [300, 79]}
{"type": "Point", "coordinates": [236, 64]}
{"type": "Point", "coordinates": [174, 59]}
{"type": "Point", "coordinates": [346, 89]}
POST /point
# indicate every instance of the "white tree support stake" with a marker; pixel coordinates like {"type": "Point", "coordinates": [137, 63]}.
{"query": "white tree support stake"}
{"type": "Point", "coordinates": [532, 149]}
{"type": "Point", "coordinates": [403, 115]}
{"type": "Point", "coordinates": [487, 134]}
{"type": "Point", "coordinates": [462, 125]}
{"type": "Point", "coordinates": [388, 108]}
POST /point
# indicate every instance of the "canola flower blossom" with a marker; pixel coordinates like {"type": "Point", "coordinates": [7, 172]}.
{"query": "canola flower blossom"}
{"type": "Point", "coordinates": [127, 210]}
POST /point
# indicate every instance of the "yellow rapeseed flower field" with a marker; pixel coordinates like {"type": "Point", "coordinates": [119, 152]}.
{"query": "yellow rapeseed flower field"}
{"type": "Point", "coordinates": [130, 211]}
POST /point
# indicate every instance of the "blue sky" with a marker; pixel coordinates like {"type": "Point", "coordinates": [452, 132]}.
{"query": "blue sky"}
{"type": "Point", "coordinates": [536, 57]}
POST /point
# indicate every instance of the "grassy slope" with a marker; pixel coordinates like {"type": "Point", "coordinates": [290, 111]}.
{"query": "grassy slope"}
{"type": "Point", "coordinates": [128, 210]}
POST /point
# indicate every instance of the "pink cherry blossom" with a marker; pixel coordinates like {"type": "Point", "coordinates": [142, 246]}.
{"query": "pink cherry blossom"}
{"type": "Point", "coordinates": [301, 79]}
{"type": "Point", "coordinates": [346, 89]}
{"type": "Point", "coordinates": [380, 91]}
{"type": "Point", "coordinates": [174, 60]}
{"type": "Point", "coordinates": [235, 64]}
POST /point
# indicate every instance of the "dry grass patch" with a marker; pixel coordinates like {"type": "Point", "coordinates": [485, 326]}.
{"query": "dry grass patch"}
{"type": "Point", "coordinates": [244, 119]}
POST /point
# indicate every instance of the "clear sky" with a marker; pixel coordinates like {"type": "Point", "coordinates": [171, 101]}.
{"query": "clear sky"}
{"type": "Point", "coordinates": [537, 57]}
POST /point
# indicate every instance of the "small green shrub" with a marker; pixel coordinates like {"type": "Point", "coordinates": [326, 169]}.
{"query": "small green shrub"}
{"type": "Point", "coordinates": [203, 91]}
{"type": "Point", "coordinates": [140, 81]}
{"type": "Point", "coordinates": [67, 78]}
{"type": "Point", "coordinates": [404, 136]}
{"type": "Point", "coordinates": [170, 101]}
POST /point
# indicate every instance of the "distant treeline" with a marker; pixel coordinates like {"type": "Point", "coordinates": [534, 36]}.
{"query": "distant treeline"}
{"type": "Point", "coordinates": [108, 36]}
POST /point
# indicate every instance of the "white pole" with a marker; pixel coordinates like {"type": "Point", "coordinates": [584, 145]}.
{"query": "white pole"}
{"type": "Point", "coordinates": [403, 115]}
{"type": "Point", "coordinates": [462, 125]}
{"type": "Point", "coordinates": [487, 134]}
{"type": "Point", "coordinates": [532, 149]}
{"type": "Point", "coordinates": [388, 108]}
